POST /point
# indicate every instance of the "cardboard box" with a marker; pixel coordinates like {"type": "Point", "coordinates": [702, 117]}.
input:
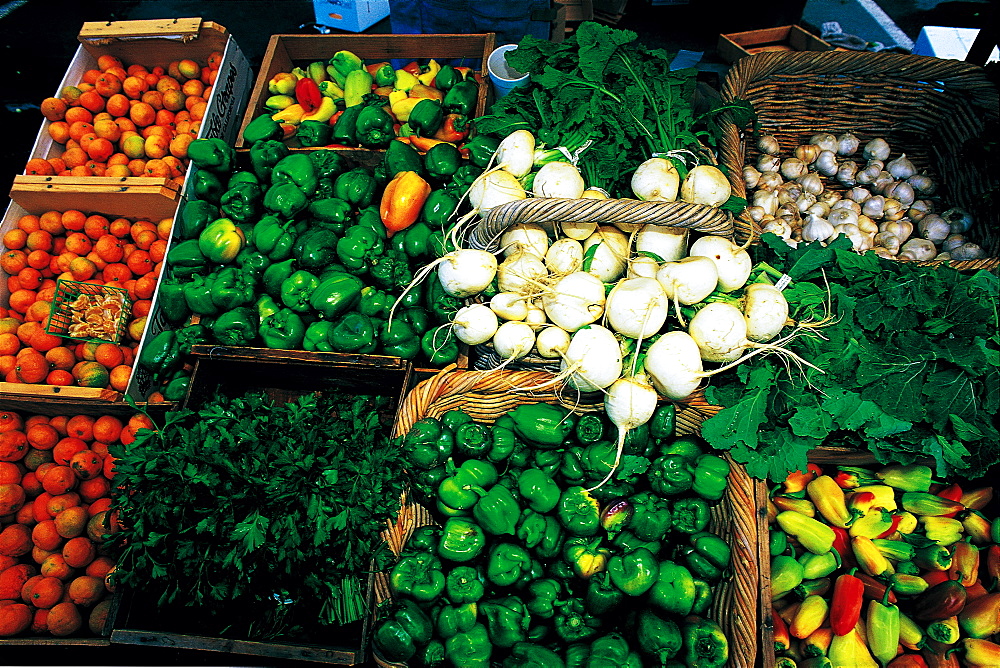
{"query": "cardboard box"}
{"type": "Point", "coordinates": [350, 15]}
{"type": "Point", "coordinates": [733, 46]}
{"type": "Point", "coordinates": [153, 43]}
{"type": "Point", "coordinates": [949, 43]}
{"type": "Point", "coordinates": [284, 52]}
{"type": "Point", "coordinates": [135, 202]}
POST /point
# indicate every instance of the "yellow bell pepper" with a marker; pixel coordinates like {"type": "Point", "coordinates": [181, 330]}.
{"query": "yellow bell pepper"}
{"type": "Point", "coordinates": [291, 114]}
{"type": "Point", "coordinates": [279, 102]}
{"type": "Point", "coordinates": [282, 83]}
{"type": "Point", "coordinates": [401, 109]}
{"type": "Point", "coordinates": [405, 80]}
{"type": "Point", "coordinates": [427, 78]}
{"type": "Point", "coordinates": [327, 108]}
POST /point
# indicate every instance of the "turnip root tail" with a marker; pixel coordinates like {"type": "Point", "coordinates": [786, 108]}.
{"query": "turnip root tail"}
{"type": "Point", "coordinates": [419, 276]}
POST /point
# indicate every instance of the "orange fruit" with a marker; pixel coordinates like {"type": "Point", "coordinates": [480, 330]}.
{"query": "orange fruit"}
{"type": "Point", "coordinates": [90, 374]}
{"type": "Point", "coordinates": [15, 618]}
{"type": "Point", "coordinates": [98, 617]}
{"type": "Point", "coordinates": [42, 436]}
{"type": "Point", "coordinates": [68, 446]}
{"type": "Point", "coordinates": [79, 552]}
{"type": "Point", "coordinates": [103, 503]}
{"type": "Point", "coordinates": [59, 480]}
{"type": "Point", "coordinates": [12, 495]}
{"type": "Point", "coordinates": [86, 590]}
{"type": "Point", "coordinates": [109, 355]}
{"type": "Point", "coordinates": [94, 489]}
{"type": "Point", "coordinates": [15, 540]}
{"type": "Point", "coordinates": [81, 426]}
{"type": "Point", "coordinates": [64, 619]}
{"type": "Point", "coordinates": [45, 535]}
{"type": "Point", "coordinates": [10, 474]}
{"type": "Point", "coordinates": [42, 591]}
{"type": "Point", "coordinates": [86, 464]}
{"type": "Point", "coordinates": [71, 522]}
{"type": "Point", "coordinates": [12, 579]}
{"type": "Point", "coordinates": [13, 446]}
{"type": "Point", "coordinates": [119, 377]}
{"type": "Point", "coordinates": [55, 566]}
{"type": "Point", "coordinates": [61, 502]}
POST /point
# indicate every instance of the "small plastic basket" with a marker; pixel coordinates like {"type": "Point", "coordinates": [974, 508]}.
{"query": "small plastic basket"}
{"type": "Point", "coordinates": [89, 312]}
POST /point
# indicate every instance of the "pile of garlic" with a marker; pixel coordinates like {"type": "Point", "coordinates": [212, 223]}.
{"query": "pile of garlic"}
{"type": "Point", "coordinates": [885, 202]}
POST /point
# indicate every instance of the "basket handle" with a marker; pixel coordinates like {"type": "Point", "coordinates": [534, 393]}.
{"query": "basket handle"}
{"type": "Point", "coordinates": [698, 217]}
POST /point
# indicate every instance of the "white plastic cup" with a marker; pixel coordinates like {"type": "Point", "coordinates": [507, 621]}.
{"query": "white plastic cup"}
{"type": "Point", "coordinates": [502, 75]}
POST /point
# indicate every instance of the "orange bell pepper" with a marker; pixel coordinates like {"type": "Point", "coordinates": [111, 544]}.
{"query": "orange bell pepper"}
{"type": "Point", "coordinates": [402, 201]}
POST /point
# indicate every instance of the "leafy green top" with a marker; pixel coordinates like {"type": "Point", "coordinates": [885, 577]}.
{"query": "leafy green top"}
{"type": "Point", "coordinates": [911, 367]}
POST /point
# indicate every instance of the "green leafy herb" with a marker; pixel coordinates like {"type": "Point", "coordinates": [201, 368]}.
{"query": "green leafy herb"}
{"type": "Point", "coordinates": [910, 362]}
{"type": "Point", "coordinates": [258, 519]}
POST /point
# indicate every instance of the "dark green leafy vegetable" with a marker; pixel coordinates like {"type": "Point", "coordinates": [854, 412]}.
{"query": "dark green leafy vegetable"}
{"type": "Point", "coordinates": [910, 359]}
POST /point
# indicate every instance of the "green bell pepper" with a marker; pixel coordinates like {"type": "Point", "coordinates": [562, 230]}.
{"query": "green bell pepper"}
{"type": "Point", "coordinates": [326, 163]}
{"type": "Point", "coordinates": [663, 422]}
{"type": "Point", "coordinates": [285, 199]}
{"type": "Point", "coordinates": [298, 289]}
{"type": "Point", "coordinates": [315, 249]}
{"type": "Point", "coordinates": [685, 446]}
{"type": "Point", "coordinates": [702, 597]}
{"type": "Point", "coordinates": [427, 444]}
{"type": "Point", "coordinates": [530, 528]}
{"type": "Point", "coordinates": [538, 489]}
{"type": "Point", "coordinates": [273, 238]}
{"type": "Point", "coordinates": [455, 418]}
{"type": "Point", "coordinates": [338, 293]}
{"type": "Point", "coordinates": [374, 302]}
{"type": "Point", "coordinates": [571, 467]}
{"type": "Point", "coordinates": [542, 595]}
{"type": "Point", "coordinates": [237, 327]}
{"type": "Point", "coordinates": [399, 339]}
{"type": "Point", "coordinates": [628, 541]}
{"type": "Point", "coordinates": [497, 511]}
{"type": "Point", "coordinates": [464, 485]}
{"type": "Point", "coordinates": [207, 186]}
{"type": "Point", "coordinates": [314, 133]}
{"type": "Point", "coordinates": [353, 333]}
{"type": "Point", "coordinates": [673, 591]}
{"type": "Point", "coordinates": [198, 295]}
{"type": "Point", "coordinates": [298, 170]}
{"type": "Point", "coordinates": [602, 595]}
{"type": "Point", "coordinates": [464, 584]}
{"type": "Point", "coordinates": [573, 622]}
{"type": "Point", "coordinates": [275, 275]}
{"type": "Point", "coordinates": [195, 216]}
{"type": "Point", "coordinates": [401, 157]}
{"type": "Point", "coordinates": [544, 425]}
{"type": "Point", "coordinates": [705, 644]}
{"type": "Point", "coordinates": [506, 620]}
{"type": "Point", "coordinates": [590, 428]}
{"type": "Point", "coordinates": [358, 247]}
{"type": "Point", "coordinates": [612, 651]}
{"type": "Point", "coordinates": [481, 149]}
{"type": "Point", "coordinates": [356, 187]}
{"type": "Point", "coordinates": [391, 270]}
{"type": "Point", "coordinates": [579, 512]}
{"type": "Point", "coordinates": [712, 548]}
{"type": "Point", "coordinates": [331, 212]}
{"type": "Point", "coordinates": [634, 572]}
{"type": "Point", "coordinates": [471, 649]}
{"type": "Point", "coordinates": [657, 636]}
{"type": "Point", "coordinates": [456, 618]}
{"type": "Point", "coordinates": [440, 347]}
{"type": "Point", "coordinates": [261, 128]}
{"type": "Point", "coordinates": [418, 576]}
{"type": "Point", "coordinates": [373, 126]}
{"type": "Point", "coordinates": [586, 556]}
{"type": "Point", "coordinates": [651, 517]}
{"type": "Point", "coordinates": [711, 476]}
{"type": "Point", "coordinates": [547, 461]}
{"type": "Point", "coordinates": [264, 155]}
{"type": "Point", "coordinates": [473, 439]}
{"type": "Point", "coordinates": [426, 117]}
{"type": "Point", "coordinates": [690, 515]}
{"type": "Point", "coordinates": [317, 336]}
{"type": "Point", "coordinates": [442, 161]}
{"type": "Point", "coordinates": [414, 241]}
{"type": "Point", "coordinates": [461, 541]}
{"type": "Point", "coordinates": [530, 655]}
{"type": "Point", "coordinates": [504, 440]}
{"type": "Point", "coordinates": [461, 98]}
{"type": "Point", "coordinates": [252, 264]}
{"type": "Point", "coordinates": [438, 208]}
{"type": "Point", "coordinates": [507, 563]}
{"type": "Point", "coordinates": [400, 634]}
{"type": "Point", "coordinates": [176, 389]}
{"type": "Point", "coordinates": [171, 300]}
{"type": "Point", "coordinates": [221, 241]}
{"type": "Point", "coordinates": [283, 330]}
{"type": "Point", "coordinates": [266, 307]}
{"type": "Point", "coordinates": [160, 353]}
{"type": "Point", "coordinates": [212, 154]}
{"type": "Point", "coordinates": [670, 474]}
{"type": "Point", "coordinates": [232, 288]}
{"type": "Point", "coordinates": [466, 175]}
{"type": "Point", "coordinates": [345, 130]}
{"type": "Point", "coordinates": [240, 202]}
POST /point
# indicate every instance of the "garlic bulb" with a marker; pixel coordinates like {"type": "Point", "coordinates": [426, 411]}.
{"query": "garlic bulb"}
{"type": "Point", "coordinates": [825, 141]}
{"type": "Point", "coordinates": [768, 144]}
{"type": "Point", "coordinates": [868, 174]}
{"type": "Point", "coordinates": [766, 200]}
{"type": "Point", "coordinates": [952, 242]}
{"type": "Point", "coordinates": [934, 228]}
{"type": "Point", "coordinates": [847, 173]}
{"type": "Point", "coordinates": [867, 225]}
{"type": "Point", "coordinates": [793, 168]}
{"type": "Point", "coordinates": [968, 251]}
{"type": "Point", "coordinates": [816, 229]}
{"type": "Point", "coordinates": [842, 216]}
{"type": "Point", "coordinates": [821, 209]}
{"type": "Point", "coordinates": [811, 183]}
{"type": "Point", "coordinates": [807, 153]}
{"type": "Point", "coordinates": [901, 167]}
{"type": "Point", "coordinates": [923, 184]}
{"type": "Point", "coordinates": [756, 213]}
{"type": "Point", "coordinates": [826, 163]}
{"type": "Point", "coordinates": [785, 195]}
{"type": "Point", "coordinates": [917, 249]}
{"type": "Point", "coordinates": [768, 163]}
{"type": "Point", "coordinates": [883, 252]}
{"type": "Point", "coordinates": [778, 227]}
{"type": "Point", "coordinates": [787, 209]}
{"type": "Point", "coordinates": [805, 202]}
{"type": "Point", "coordinates": [893, 209]}
{"type": "Point", "coordinates": [770, 180]}
{"type": "Point", "coordinates": [751, 176]}
{"type": "Point", "coordinates": [902, 191]}
{"type": "Point", "coordinates": [882, 182]}
{"type": "Point", "coordinates": [959, 219]}
{"type": "Point", "coordinates": [844, 203]}
{"type": "Point", "coordinates": [890, 242]}
{"type": "Point", "coordinates": [847, 144]}
{"type": "Point", "coordinates": [919, 209]}
{"type": "Point", "coordinates": [793, 188]}
{"type": "Point", "coordinates": [901, 229]}
{"type": "Point", "coordinates": [859, 241]}
{"type": "Point", "coordinates": [858, 194]}
{"type": "Point", "coordinates": [877, 149]}
{"type": "Point", "coordinates": [873, 206]}
{"type": "Point", "coordinates": [829, 197]}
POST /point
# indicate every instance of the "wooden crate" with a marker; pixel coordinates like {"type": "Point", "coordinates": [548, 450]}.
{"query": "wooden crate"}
{"type": "Point", "coordinates": [286, 51]}
{"type": "Point", "coordinates": [578, 10]}
{"type": "Point", "coordinates": [733, 46]}
{"type": "Point", "coordinates": [152, 43]}
{"type": "Point", "coordinates": [488, 396]}
{"type": "Point", "coordinates": [283, 375]}
{"type": "Point", "coordinates": [152, 202]}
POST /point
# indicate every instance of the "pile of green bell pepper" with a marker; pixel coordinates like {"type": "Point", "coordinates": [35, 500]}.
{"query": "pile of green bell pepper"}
{"type": "Point", "coordinates": [529, 566]}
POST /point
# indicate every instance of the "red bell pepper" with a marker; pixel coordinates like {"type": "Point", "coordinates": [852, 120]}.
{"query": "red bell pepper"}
{"type": "Point", "coordinates": [975, 590]}
{"type": "Point", "coordinates": [935, 577]}
{"type": "Point", "coordinates": [892, 527]}
{"type": "Point", "coordinates": [308, 95]}
{"type": "Point", "coordinates": [842, 544]}
{"type": "Point", "coordinates": [412, 67]}
{"type": "Point", "coordinates": [845, 609]}
{"type": "Point", "coordinates": [964, 563]}
{"type": "Point", "coordinates": [953, 493]}
{"type": "Point", "coordinates": [333, 119]}
{"type": "Point", "coordinates": [781, 638]}
{"type": "Point", "coordinates": [875, 590]}
{"type": "Point", "coordinates": [454, 128]}
{"type": "Point", "coordinates": [938, 655]}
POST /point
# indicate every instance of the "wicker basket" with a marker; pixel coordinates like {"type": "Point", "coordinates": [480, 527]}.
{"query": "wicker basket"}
{"type": "Point", "coordinates": [942, 113]}
{"type": "Point", "coordinates": [487, 396]}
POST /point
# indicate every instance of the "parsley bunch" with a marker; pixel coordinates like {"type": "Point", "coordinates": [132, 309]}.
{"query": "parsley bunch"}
{"type": "Point", "coordinates": [258, 519]}
{"type": "Point", "coordinates": [911, 367]}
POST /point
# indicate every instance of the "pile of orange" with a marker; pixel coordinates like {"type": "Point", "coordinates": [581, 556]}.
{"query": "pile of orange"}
{"type": "Point", "coordinates": [74, 246]}
{"type": "Point", "coordinates": [55, 518]}
{"type": "Point", "coordinates": [130, 121]}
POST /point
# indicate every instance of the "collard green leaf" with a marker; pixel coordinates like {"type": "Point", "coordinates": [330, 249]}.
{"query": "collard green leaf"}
{"type": "Point", "coordinates": [739, 424]}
